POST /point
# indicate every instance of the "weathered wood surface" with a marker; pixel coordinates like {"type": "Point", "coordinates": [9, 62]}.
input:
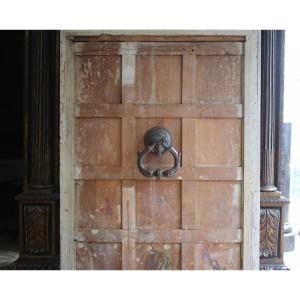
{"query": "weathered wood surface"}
{"type": "Point", "coordinates": [159, 235]}
{"type": "Point", "coordinates": [91, 172]}
{"type": "Point", "coordinates": [204, 110]}
{"type": "Point", "coordinates": [158, 38]}
{"type": "Point", "coordinates": [192, 220]}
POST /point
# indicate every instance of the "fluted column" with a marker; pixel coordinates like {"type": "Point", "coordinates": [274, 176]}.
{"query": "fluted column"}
{"type": "Point", "coordinates": [272, 203]}
{"type": "Point", "coordinates": [268, 105]}
{"type": "Point", "coordinates": [39, 202]}
{"type": "Point", "coordinates": [41, 107]}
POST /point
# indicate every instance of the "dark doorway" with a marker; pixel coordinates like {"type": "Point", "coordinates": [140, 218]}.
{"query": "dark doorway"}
{"type": "Point", "coordinates": [11, 141]}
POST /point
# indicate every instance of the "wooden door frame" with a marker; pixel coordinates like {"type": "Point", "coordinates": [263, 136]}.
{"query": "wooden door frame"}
{"type": "Point", "coordinates": [251, 134]}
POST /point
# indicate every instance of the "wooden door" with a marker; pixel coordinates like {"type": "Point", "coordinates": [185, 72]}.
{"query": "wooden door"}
{"type": "Point", "coordinates": [124, 220]}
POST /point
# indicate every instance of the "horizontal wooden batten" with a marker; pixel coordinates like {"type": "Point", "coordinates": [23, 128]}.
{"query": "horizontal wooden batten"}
{"type": "Point", "coordinates": [159, 235]}
{"type": "Point", "coordinates": [159, 48]}
{"type": "Point", "coordinates": [94, 110]}
{"type": "Point", "coordinates": [158, 38]}
{"type": "Point", "coordinates": [91, 172]}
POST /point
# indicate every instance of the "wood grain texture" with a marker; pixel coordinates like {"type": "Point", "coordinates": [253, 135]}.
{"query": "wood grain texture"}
{"type": "Point", "coordinates": [129, 204]}
{"type": "Point", "coordinates": [194, 90]}
{"type": "Point", "coordinates": [98, 79]}
{"type": "Point", "coordinates": [158, 204]}
{"type": "Point", "coordinates": [158, 79]}
{"type": "Point", "coordinates": [100, 256]}
{"type": "Point", "coordinates": [251, 152]}
{"type": "Point", "coordinates": [161, 48]}
{"type": "Point", "coordinates": [158, 256]}
{"type": "Point", "coordinates": [157, 38]}
{"type": "Point", "coordinates": [98, 141]}
{"type": "Point", "coordinates": [211, 204]}
{"type": "Point", "coordinates": [206, 256]}
{"type": "Point", "coordinates": [218, 142]}
{"type": "Point", "coordinates": [199, 110]}
{"type": "Point", "coordinates": [98, 203]}
{"type": "Point", "coordinates": [128, 141]}
{"type": "Point", "coordinates": [218, 79]}
{"type": "Point", "coordinates": [159, 235]}
{"type": "Point", "coordinates": [91, 172]}
{"type": "Point", "coordinates": [189, 69]}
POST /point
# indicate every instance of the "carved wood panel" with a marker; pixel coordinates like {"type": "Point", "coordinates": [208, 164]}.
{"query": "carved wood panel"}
{"type": "Point", "coordinates": [37, 235]}
{"type": "Point", "coordinates": [269, 232]}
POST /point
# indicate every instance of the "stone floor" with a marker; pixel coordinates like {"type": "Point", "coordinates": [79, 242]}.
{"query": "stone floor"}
{"type": "Point", "coordinates": [8, 250]}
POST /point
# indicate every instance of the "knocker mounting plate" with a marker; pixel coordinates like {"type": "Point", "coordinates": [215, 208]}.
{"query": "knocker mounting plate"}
{"type": "Point", "coordinates": [158, 140]}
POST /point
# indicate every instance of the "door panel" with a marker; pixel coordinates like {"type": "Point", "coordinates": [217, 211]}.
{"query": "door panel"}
{"type": "Point", "coordinates": [98, 79]}
{"type": "Point", "coordinates": [191, 220]}
{"type": "Point", "coordinates": [218, 79]}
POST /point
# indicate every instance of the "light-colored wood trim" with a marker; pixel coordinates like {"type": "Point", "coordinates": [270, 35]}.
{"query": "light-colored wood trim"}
{"type": "Point", "coordinates": [159, 48]}
{"type": "Point", "coordinates": [159, 235]}
{"type": "Point", "coordinates": [189, 78]}
{"type": "Point", "coordinates": [205, 110]}
{"type": "Point", "coordinates": [128, 204]}
{"type": "Point", "coordinates": [251, 138]}
{"type": "Point", "coordinates": [188, 136]}
{"type": "Point", "coordinates": [251, 152]}
{"type": "Point", "coordinates": [128, 141]}
{"type": "Point", "coordinates": [128, 78]}
{"type": "Point", "coordinates": [157, 38]}
{"type": "Point", "coordinates": [67, 183]}
{"type": "Point", "coordinates": [96, 172]}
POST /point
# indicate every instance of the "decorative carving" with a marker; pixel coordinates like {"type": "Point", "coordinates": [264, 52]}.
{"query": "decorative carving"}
{"type": "Point", "coordinates": [274, 267]}
{"type": "Point", "coordinates": [36, 225]}
{"type": "Point", "coordinates": [269, 232]}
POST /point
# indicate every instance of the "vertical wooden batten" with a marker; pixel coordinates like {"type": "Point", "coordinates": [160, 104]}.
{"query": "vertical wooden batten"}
{"type": "Point", "coordinates": [39, 202]}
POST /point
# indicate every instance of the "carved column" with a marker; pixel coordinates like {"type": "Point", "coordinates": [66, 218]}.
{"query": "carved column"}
{"type": "Point", "coordinates": [39, 203]}
{"type": "Point", "coordinates": [271, 203]}
{"type": "Point", "coordinates": [268, 110]}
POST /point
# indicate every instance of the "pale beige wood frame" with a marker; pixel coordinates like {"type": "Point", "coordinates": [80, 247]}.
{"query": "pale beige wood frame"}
{"type": "Point", "coordinates": [251, 141]}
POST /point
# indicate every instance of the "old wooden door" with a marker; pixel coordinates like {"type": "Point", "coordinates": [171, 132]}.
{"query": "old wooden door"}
{"type": "Point", "coordinates": [124, 220]}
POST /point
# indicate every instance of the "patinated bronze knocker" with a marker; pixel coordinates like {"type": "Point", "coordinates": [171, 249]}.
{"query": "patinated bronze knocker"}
{"type": "Point", "coordinates": [158, 140]}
